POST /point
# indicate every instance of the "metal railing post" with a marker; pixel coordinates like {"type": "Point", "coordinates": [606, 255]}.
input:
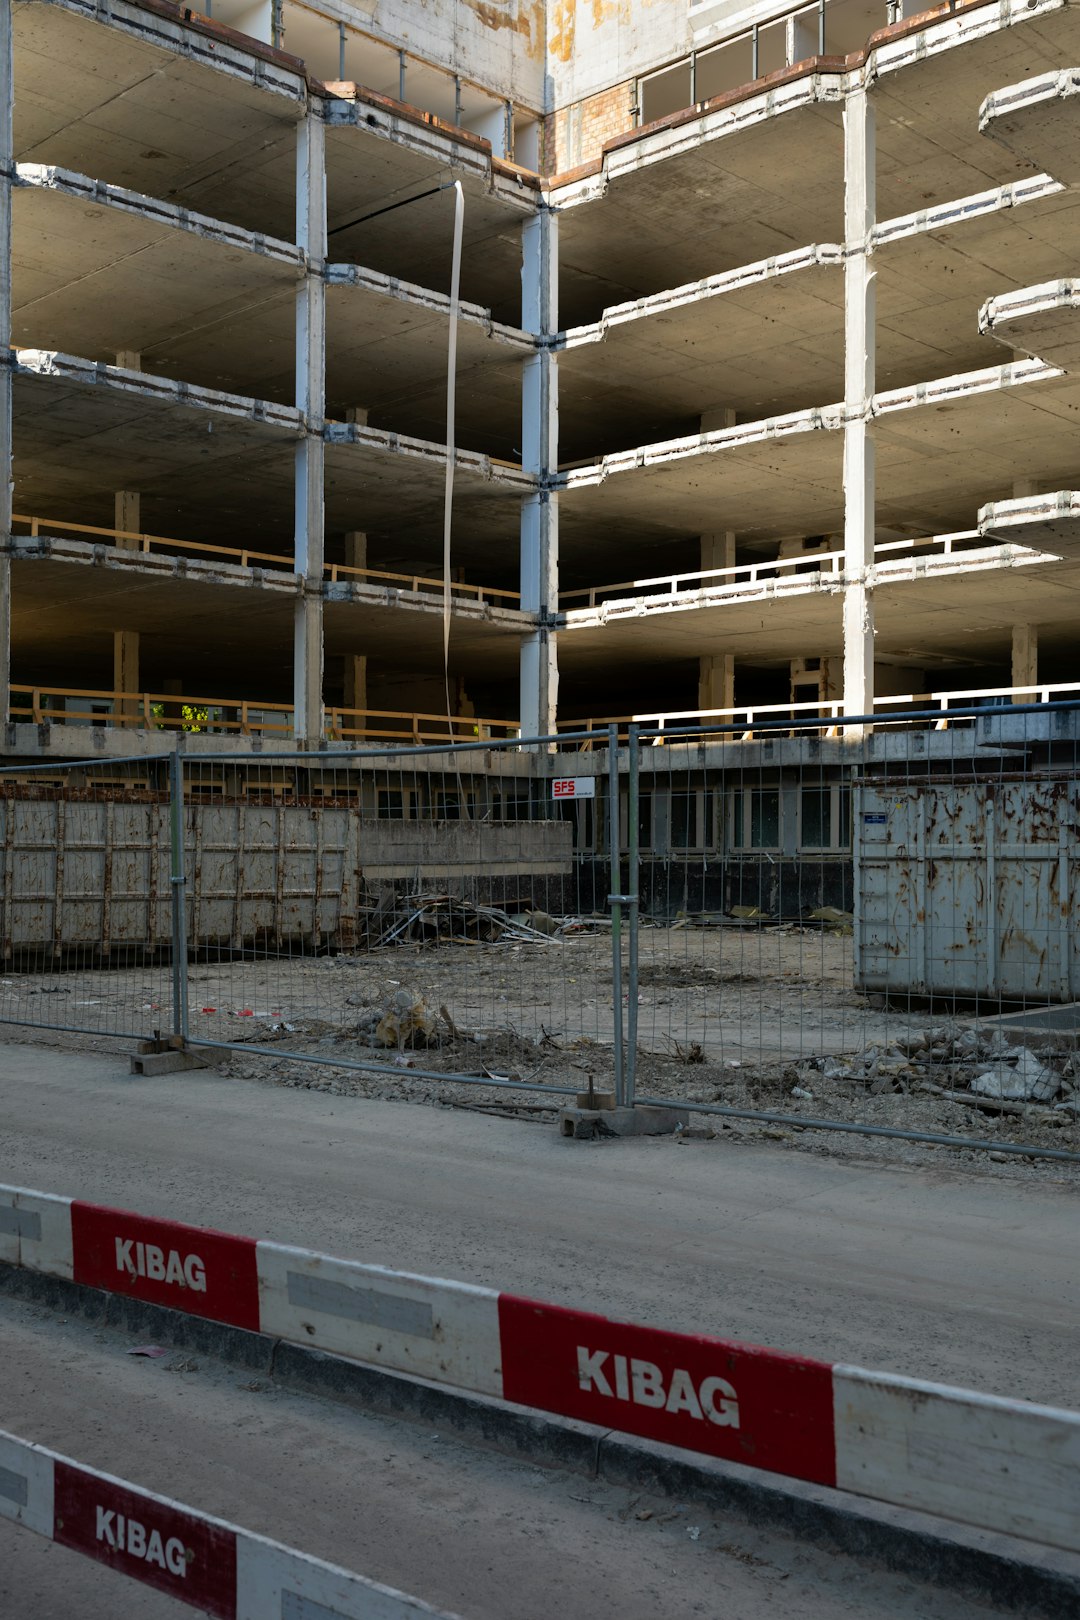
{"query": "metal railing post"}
{"type": "Point", "coordinates": [615, 900]}
{"type": "Point", "coordinates": [178, 884]}
{"type": "Point", "coordinates": [633, 898]}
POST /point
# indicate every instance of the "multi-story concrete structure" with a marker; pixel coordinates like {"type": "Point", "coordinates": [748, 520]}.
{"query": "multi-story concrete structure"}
{"type": "Point", "coordinates": [733, 421]}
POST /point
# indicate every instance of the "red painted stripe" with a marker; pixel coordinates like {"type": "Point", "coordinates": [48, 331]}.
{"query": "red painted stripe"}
{"type": "Point", "coordinates": [152, 1541]}
{"type": "Point", "coordinates": [191, 1268]}
{"type": "Point", "coordinates": [738, 1401]}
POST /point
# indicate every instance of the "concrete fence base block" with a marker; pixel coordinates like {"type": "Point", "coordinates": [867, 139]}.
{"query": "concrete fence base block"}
{"type": "Point", "coordinates": [586, 1124]}
{"type": "Point", "coordinates": [151, 1063]}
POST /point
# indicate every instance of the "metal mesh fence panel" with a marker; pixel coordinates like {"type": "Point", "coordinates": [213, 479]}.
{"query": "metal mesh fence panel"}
{"type": "Point", "coordinates": [873, 930]}
{"type": "Point", "coordinates": [86, 898]}
{"type": "Point", "coordinates": [413, 913]}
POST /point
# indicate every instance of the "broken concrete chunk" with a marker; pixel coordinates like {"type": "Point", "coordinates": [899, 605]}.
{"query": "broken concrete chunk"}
{"type": "Point", "coordinates": [1026, 1080]}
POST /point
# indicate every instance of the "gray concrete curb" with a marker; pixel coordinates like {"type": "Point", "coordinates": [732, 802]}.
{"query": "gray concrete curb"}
{"type": "Point", "coordinates": [1012, 1575]}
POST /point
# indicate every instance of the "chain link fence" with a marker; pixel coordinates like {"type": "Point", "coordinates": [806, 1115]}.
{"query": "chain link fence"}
{"type": "Point", "coordinates": [872, 932]}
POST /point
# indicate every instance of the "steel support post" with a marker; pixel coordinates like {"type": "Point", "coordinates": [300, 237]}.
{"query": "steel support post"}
{"type": "Point", "coordinates": [540, 453]}
{"type": "Point", "coordinates": [859, 375]}
{"type": "Point", "coordinates": [178, 884]}
{"type": "Point", "coordinates": [615, 899]}
{"type": "Point", "coordinates": [7, 169]}
{"type": "Point", "coordinates": [633, 906]}
{"type": "Point", "coordinates": [310, 399]}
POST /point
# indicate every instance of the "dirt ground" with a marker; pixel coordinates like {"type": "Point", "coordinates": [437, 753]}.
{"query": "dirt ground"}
{"type": "Point", "coordinates": [760, 1019]}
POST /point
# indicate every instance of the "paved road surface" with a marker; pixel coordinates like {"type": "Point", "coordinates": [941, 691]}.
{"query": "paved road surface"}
{"type": "Point", "coordinates": [968, 1279]}
{"type": "Point", "coordinates": [481, 1535]}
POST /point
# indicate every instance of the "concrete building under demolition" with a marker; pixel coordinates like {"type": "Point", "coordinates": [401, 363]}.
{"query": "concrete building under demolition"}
{"type": "Point", "coordinates": [763, 393]}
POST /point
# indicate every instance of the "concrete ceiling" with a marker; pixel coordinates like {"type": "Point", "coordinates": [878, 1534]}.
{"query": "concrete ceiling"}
{"type": "Point", "coordinates": [94, 279]}
{"type": "Point", "coordinates": [942, 452]}
{"type": "Point", "coordinates": [729, 202]}
{"type": "Point", "coordinates": [767, 346]}
{"type": "Point", "coordinates": [927, 111]}
{"type": "Point", "coordinates": [78, 441]}
{"type": "Point", "coordinates": [955, 621]}
{"type": "Point", "coordinates": [130, 110]}
{"type": "Point", "coordinates": [220, 641]}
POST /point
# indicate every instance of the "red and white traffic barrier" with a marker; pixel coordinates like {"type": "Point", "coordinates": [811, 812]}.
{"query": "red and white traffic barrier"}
{"type": "Point", "coordinates": [204, 1562]}
{"type": "Point", "coordinates": [995, 1463]}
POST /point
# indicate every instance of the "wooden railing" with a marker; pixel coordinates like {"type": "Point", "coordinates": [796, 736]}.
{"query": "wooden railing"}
{"type": "Point", "coordinates": [247, 717]}
{"type": "Point", "coordinates": [243, 557]}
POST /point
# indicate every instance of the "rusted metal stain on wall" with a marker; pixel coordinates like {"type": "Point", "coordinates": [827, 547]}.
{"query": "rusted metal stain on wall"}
{"type": "Point", "coordinates": [526, 20]}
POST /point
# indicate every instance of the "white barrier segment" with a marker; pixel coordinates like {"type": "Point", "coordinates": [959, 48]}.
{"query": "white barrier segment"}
{"type": "Point", "coordinates": [273, 1583]}
{"type": "Point", "coordinates": [26, 1485]}
{"type": "Point", "coordinates": [35, 1231]}
{"type": "Point", "coordinates": [448, 1332]}
{"type": "Point", "coordinates": [988, 1461]}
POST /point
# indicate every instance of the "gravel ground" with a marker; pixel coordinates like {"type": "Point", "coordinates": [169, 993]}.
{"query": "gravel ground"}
{"type": "Point", "coordinates": [761, 1019]}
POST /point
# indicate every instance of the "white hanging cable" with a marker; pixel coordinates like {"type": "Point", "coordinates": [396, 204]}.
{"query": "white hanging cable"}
{"type": "Point", "coordinates": [451, 406]}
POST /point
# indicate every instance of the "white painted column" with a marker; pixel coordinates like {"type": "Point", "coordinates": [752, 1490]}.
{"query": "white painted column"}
{"type": "Point", "coordinates": [1025, 662]}
{"type": "Point", "coordinates": [310, 398]}
{"type": "Point", "coordinates": [859, 371]}
{"type": "Point", "coordinates": [539, 673]}
{"type": "Point", "coordinates": [7, 161]}
{"type": "Point", "coordinates": [716, 671]}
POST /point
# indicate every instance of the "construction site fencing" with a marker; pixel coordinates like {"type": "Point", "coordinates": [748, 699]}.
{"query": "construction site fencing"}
{"type": "Point", "coordinates": [867, 928]}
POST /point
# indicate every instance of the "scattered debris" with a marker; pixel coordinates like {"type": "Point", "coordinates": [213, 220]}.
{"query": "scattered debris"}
{"type": "Point", "coordinates": [153, 1352]}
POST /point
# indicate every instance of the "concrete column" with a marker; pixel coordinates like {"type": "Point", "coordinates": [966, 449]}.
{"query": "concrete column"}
{"type": "Point", "coordinates": [126, 674]}
{"type": "Point", "coordinates": [7, 161]}
{"type": "Point", "coordinates": [802, 37]}
{"type": "Point", "coordinates": [355, 696]}
{"type": "Point", "coordinates": [859, 371]}
{"type": "Point", "coordinates": [311, 399]}
{"type": "Point", "coordinates": [127, 513]}
{"type": "Point", "coordinates": [356, 549]}
{"type": "Point", "coordinates": [539, 667]}
{"type": "Point", "coordinates": [1025, 662]}
{"type": "Point", "coordinates": [716, 671]}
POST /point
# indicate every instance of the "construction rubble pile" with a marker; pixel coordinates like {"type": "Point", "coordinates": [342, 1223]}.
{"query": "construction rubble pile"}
{"type": "Point", "coordinates": [964, 1066]}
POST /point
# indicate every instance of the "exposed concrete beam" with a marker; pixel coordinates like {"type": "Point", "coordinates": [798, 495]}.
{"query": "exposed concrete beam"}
{"type": "Point", "coordinates": [825, 254]}
{"type": "Point", "coordinates": [1043, 322]}
{"type": "Point", "coordinates": [210, 47]}
{"type": "Point", "coordinates": [946, 216]}
{"type": "Point", "coordinates": [46, 177]}
{"type": "Point", "coordinates": [812, 90]}
{"type": "Point", "coordinates": [859, 351]}
{"type": "Point", "coordinates": [1050, 522]}
{"type": "Point", "coordinates": [464, 158]}
{"type": "Point", "coordinates": [488, 468]}
{"type": "Point", "coordinates": [1039, 120]}
{"type": "Point", "coordinates": [408, 292]}
{"type": "Point", "coordinates": [309, 533]}
{"type": "Point", "coordinates": [89, 374]}
{"type": "Point", "coordinates": [539, 676]}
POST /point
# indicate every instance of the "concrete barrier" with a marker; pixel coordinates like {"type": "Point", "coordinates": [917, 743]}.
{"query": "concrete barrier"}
{"type": "Point", "coordinates": [201, 1561]}
{"type": "Point", "coordinates": [984, 1461]}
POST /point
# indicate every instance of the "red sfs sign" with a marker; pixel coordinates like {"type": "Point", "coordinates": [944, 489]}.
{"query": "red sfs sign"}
{"type": "Point", "coordinates": [574, 787]}
{"type": "Point", "coordinates": [187, 1267]}
{"type": "Point", "coordinates": [754, 1406]}
{"type": "Point", "coordinates": [153, 1541]}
